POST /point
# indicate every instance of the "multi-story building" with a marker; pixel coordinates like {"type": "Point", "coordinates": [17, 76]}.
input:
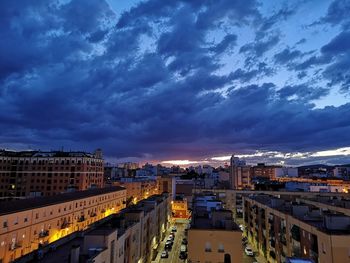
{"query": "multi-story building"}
{"type": "Point", "coordinates": [341, 172]}
{"type": "Point", "coordinates": [285, 226]}
{"type": "Point", "coordinates": [29, 224]}
{"type": "Point", "coordinates": [35, 173]}
{"type": "Point", "coordinates": [264, 171]}
{"type": "Point", "coordinates": [232, 199]}
{"type": "Point", "coordinates": [138, 188]}
{"type": "Point", "coordinates": [289, 172]}
{"type": "Point", "coordinates": [130, 236]}
{"type": "Point", "coordinates": [240, 176]}
{"type": "Point", "coordinates": [213, 235]}
{"type": "Point", "coordinates": [166, 184]}
{"type": "Point", "coordinates": [179, 208]}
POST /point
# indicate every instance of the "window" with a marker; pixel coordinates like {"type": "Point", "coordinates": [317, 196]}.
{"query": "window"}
{"type": "Point", "coordinates": [207, 247]}
{"type": "Point", "coordinates": [4, 224]}
{"type": "Point", "coordinates": [221, 248]}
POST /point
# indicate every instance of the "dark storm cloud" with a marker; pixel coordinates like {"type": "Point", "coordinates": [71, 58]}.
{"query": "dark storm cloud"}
{"type": "Point", "coordinates": [261, 69]}
{"type": "Point", "coordinates": [287, 55]}
{"type": "Point", "coordinates": [303, 92]}
{"type": "Point", "coordinates": [338, 13]}
{"type": "Point", "coordinates": [228, 42]}
{"type": "Point", "coordinates": [281, 15]}
{"type": "Point", "coordinates": [335, 55]}
{"type": "Point", "coordinates": [258, 48]}
{"type": "Point", "coordinates": [153, 83]}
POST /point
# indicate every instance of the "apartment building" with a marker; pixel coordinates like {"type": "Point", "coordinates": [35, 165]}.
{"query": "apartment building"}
{"type": "Point", "coordinates": [166, 183]}
{"type": "Point", "coordinates": [213, 235]}
{"type": "Point", "coordinates": [130, 236]}
{"type": "Point", "coordinates": [264, 171]}
{"type": "Point", "coordinates": [179, 207]}
{"type": "Point", "coordinates": [286, 226]}
{"type": "Point", "coordinates": [29, 224]}
{"type": "Point", "coordinates": [232, 199]}
{"type": "Point", "coordinates": [239, 176]}
{"type": "Point", "coordinates": [36, 173]}
{"type": "Point", "coordinates": [138, 188]}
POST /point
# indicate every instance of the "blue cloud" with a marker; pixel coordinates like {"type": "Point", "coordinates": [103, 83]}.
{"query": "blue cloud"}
{"type": "Point", "coordinates": [153, 82]}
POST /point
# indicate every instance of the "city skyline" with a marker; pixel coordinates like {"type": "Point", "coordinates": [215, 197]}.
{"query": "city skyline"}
{"type": "Point", "coordinates": [178, 81]}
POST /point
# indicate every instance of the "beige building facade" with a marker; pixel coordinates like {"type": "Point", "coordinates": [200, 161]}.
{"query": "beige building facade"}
{"type": "Point", "coordinates": [211, 245]}
{"type": "Point", "coordinates": [288, 227]}
{"type": "Point", "coordinates": [26, 225]}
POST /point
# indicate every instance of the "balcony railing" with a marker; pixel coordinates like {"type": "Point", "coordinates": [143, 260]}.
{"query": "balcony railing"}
{"type": "Point", "coordinates": [15, 245]}
{"type": "Point", "coordinates": [65, 224]}
{"type": "Point", "coordinates": [81, 219]}
{"type": "Point", "coordinates": [44, 233]}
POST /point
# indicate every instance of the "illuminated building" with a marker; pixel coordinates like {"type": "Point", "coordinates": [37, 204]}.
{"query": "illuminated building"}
{"type": "Point", "coordinates": [36, 173]}
{"type": "Point", "coordinates": [281, 227]}
{"type": "Point", "coordinates": [29, 224]}
{"type": "Point", "coordinates": [132, 235]}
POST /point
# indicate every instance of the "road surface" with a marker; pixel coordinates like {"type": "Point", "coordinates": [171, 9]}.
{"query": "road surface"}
{"type": "Point", "coordinates": [174, 253]}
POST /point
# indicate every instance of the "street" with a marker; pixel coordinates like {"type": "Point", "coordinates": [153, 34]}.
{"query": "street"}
{"type": "Point", "coordinates": [175, 251]}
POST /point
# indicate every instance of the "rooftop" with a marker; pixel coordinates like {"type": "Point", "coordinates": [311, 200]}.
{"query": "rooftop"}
{"type": "Point", "coordinates": [9, 207]}
{"type": "Point", "coordinates": [35, 154]}
{"type": "Point", "coordinates": [310, 214]}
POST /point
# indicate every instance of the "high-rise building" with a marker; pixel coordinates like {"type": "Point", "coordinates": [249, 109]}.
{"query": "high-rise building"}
{"type": "Point", "coordinates": [239, 174]}
{"type": "Point", "coordinates": [36, 173]}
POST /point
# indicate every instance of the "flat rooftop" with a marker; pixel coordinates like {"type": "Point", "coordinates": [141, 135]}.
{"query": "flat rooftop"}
{"type": "Point", "coordinates": [286, 207]}
{"type": "Point", "coordinates": [35, 154]}
{"type": "Point", "coordinates": [8, 207]}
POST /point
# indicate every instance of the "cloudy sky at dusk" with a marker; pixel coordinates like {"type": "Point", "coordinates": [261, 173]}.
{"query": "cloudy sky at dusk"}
{"type": "Point", "coordinates": [178, 79]}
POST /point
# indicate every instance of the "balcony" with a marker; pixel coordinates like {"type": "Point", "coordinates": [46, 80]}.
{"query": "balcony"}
{"type": "Point", "coordinates": [44, 233]}
{"type": "Point", "coordinates": [81, 219]}
{"type": "Point", "coordinates": [93, 214]}
{"type": "Point", "coordinates": [65, 224]}
{"type": "Point", "coordinates": [15, 245]}
{"type": "Point", "coordinates": [103, 210]}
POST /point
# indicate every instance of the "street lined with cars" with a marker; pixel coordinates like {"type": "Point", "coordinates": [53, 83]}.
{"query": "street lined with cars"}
{"type": "Point", "coordinates": [173, 249]}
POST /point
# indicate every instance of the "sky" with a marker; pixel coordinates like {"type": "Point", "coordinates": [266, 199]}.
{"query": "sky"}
{"type": "Point", "coordinates": [185, 80]}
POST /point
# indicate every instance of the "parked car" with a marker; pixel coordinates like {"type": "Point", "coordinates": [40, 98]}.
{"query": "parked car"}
{"type": "Point", "coordinates": [183, 255]}
{"type": "Point", "coordinates": [244, 242]}
{"type": "Point", "coordinates": [248, 251]}
{"type": "Point", "coordinates": [183, 248]}
{"type": "Point", "coordinates": [184, 241]}
{"type": "Point", "coordinates": [168, 245]}
{"type": "Point", "coordinates": [164, 254]}
{"type": "Point", "coordinates": [173, 229]}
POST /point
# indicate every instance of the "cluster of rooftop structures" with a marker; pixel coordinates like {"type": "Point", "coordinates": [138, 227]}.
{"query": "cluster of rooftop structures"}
{"type": "Point", "coordinates": [213, 235]}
